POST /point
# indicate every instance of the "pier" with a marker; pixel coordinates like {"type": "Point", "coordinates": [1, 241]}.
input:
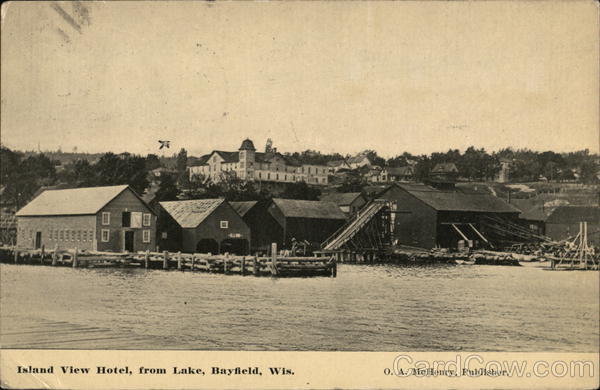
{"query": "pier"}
{"type": "Point", "coordinates": [275, 265]}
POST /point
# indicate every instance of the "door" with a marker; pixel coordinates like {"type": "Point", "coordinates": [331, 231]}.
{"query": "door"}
{"type": "Point", "coordinates": [38, 240]}
{"type": "Point", "coordinates": [129, 241]}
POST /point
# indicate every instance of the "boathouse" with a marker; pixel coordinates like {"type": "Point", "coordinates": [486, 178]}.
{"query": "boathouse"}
{"type": "Point", "coordinates": [306, 220]}
{"type": "Point", "coordinates": [563, 223]}
{"type": "Point", "coordinates": [112, 218]}
{"type": "Point", "coordinates": [203, 226]}
{"type": "Point", "coordinates": [264, 229]}
{"type": "Point", "coordinates": [348, 202]}
{"type": "Point", "coordinates": [426, 216]}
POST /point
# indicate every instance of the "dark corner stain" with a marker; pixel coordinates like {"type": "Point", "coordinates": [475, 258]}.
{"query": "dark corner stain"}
{"type": "Point", "coordinates": [66, 16]}
{"type": "Point", "coordinates": [81, 13]}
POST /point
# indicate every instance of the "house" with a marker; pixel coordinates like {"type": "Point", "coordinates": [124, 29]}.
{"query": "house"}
{"type": "Point", "coordinates": [264, 229]}
{"type": "Point", "coordinates": [358, 161]}
{"type": "Point", "coordinates": [425, 216]}
{"type": "Point", "coordinates": [503, 175]}
{"type": "Point", "coordinates": [313, 221]}
{"type": "Point", "coordinates": [337, 165]}
{"type": "Point", "coordinates": [112, 218]}
{"type": "Point", "coordinates": [444, 172]}
{"type": "Point", "coordinates": [535, 219]}
{"type": "Point", "coordinates": [250, 165]}
{"type": "Point", "coordinates": [349, 202]}
{"type": "Point", "coordinates": [203, 226]}
{"type": "Point", "coordinates": [563, 223]}
{"type": "Point", "coordinates": [391, 174]}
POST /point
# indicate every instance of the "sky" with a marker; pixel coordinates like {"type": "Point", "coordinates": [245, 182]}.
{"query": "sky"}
{"type": "Point", "coordinates": [330, 76]}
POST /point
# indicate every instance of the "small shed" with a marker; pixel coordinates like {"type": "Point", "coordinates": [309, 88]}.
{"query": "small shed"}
{"type": "Point", "coordinates": [348, 202]}
{"type": "Point", "coordinates": [563, 223]}
{"type": "Point", "coordinates": [202, 225]}
{"type": "Point", "coordinates": [264, 229]}
{"type": "Point", "coordinates": [313, 221]}
{"type": "Point", "coordinates": [112, 218]}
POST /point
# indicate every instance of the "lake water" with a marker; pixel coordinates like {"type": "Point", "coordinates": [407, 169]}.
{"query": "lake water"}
{"type": "Point", "coordinates": [366, 308]}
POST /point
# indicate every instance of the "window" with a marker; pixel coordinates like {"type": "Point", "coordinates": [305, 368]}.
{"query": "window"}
{"type": "Point", "coordinates": [147, 219]}
{"type": "Point", "coordinates": [224, 224]}
{"type": "Point", "coordinates": [84, 235]}
{"type": "Point", "coordinates": [60, 234]}
{"type": "Point", "coordinates": [72, 235]}
{"type": "Point", "coordinates": [78, 235]}
{"type": "Point", "coordinates": [105, 218]}
{"type": "Point", "coordinates": [105, 235]}
{"type": "Point", "coordinates": [136, 219]}
{"type": "Point", "coordinates": [146, 236]}
{"type": "Point", "coordinates": [91, 235]}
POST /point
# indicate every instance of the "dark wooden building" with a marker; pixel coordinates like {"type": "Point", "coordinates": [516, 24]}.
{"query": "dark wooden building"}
{"type": "Point", "coordinates": [203, 226]}
{"type": "Point", "coordinates": [348, 202]}
{"type": "Point", "coordinates": [425, 216]}
{"type": "Point", "coordinates": [112, 218]}
{"type": "Point", "coordinates": [264, 229]}
{"type": "Point", "coordinates": [313, 221]}
{"type": "Point", "coordinates": [563, 223]}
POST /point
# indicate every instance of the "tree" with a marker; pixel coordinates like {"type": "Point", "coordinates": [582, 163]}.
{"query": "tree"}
{"type": "Point", "coordinates": [124, 169]}
{"type": "Point", "coordinates": [167, 189]}
{"type": "Point", "coordinates": [79, 173]}
{"type": "Point", "coordinates": [181, 166]}
{"type": "Point", "coordinates": [300, 190]}
{"type": "Point", "coordinates": [152, 162]}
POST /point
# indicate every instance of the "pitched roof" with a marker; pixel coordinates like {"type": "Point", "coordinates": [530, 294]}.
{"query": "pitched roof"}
{"type": "Point", "coordinates": [341, 198]}
{"type": "Point", "coordinates": [74, 201]}
{"type": "Point", "coordinates": [243, 207]}
{"type": "Point", "coordinates": [457, 200]}
{"type": "Point", "coordinates": [574, 214]}
{"type": "Point", "coordinates": [535, 213]}
{"type": "Point", "coordinates": [336, 163]}
{"type": "Point", "coordinates": [400, 171]}
{"type": "Point", "coordinates": [357, 159]}
{"type": "Point", "coordinates": [445, 168]}
{"type": "Point", "coordinates": [191, 213]}
{"type": "Point", "coordinates": [309, 209]}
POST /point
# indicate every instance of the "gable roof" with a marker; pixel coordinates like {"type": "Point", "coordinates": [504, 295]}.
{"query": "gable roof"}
{"type": "Point", "coordinates": [400, 171]}
{"type": "Point", "coordinates": [293, 208]}
{"type": "Point", "coordinates": [341, 198]}
{"type": "Point", "coordinates": [574, 214]}
{"type": "Point", "coordinates": [74, 201]}
{"type": "Point", "coordinates": [535, 213]}
{"type": "Point", "coordinates": [456, 200]}
{"type": "Point", "coordinates": [445, 168]}
{"type": "Point", "coordinates": [358, 158]}
{"type": "Point", "coordinates": [191, 213]}
{"type": "Point", "coordinates": [243, 207]}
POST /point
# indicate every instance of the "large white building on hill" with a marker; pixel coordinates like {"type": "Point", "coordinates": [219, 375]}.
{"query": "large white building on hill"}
{"type": "Point", "coordinates": [250, 165]}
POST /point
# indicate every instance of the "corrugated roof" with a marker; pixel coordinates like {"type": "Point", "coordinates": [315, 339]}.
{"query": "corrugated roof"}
{"type": "Point", "coordinates": [191, 213]}
{"type": "Point", "coordinates": [574, 214]}
{"type": "Point", "coordinates": [309, 209]}
{"type": "Point", "coordinates": [74, 201]}
{"type": "Point", "coordinates": [340, 198]}
{"type": "Point", "coordinates": [243, 207]}
{"type": "Point", "coordinates": [456, 200]}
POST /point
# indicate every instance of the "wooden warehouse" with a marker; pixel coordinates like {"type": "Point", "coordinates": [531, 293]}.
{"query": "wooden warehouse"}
{"type": "Point", "coordinates": [264, 229]}
{"type": "Point", "coordinates": [203, 226]}
{"type": "Point", "coordinates": [306, 220]}
{"type": "Point", "coordinates": [348, 202]}
{"type": "Point", "coordinates": [110, 218]}
{"type": "Point", "coordinates": [563, 223]}
{"type": "Point", "coordinates": [426, 216]}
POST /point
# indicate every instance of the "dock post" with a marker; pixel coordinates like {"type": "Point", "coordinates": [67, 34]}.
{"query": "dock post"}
{"type": "Point", "coordinates": [165, 260]}
{"type": "Point", "coordinates": [243, 265]}
{"type": "Point", "coordinates": [42, 255]}
{"type": "Point", "coordinates": [54, 256]}
{"type": "Point", "coordinates": [274, 259]}
{"type": "Point", "coordinates": [179, 261]}
{"type": "Point", "coordinates": [334, 269]}
{"type": "Point", "coordinates": [75, 258]}
{"type": "Point", "coordinates": [16, 256]}
{"type": "Point", "coordinates": [147, 258]}
{"type": "Point", "coordinates": [193, 265]}
{"type": "Point", "coordinates": [226, 263]}
{"type": "Point", "coordinates": [255, 266]}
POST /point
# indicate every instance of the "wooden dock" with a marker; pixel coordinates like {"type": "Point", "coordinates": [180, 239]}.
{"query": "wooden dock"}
{"type": "Point", "coordinates": [281, 266]}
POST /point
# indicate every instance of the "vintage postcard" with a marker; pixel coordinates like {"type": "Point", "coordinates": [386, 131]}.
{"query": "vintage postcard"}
{"type": "Point", "coordinates": [299, 194]}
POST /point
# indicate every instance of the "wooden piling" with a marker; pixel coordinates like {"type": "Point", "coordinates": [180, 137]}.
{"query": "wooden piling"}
{"type": "Point", "coordinates": [16, 256]}
{"type": "Point", "coordinates": [42, 254]}
{"type": "Point", "coordinates": [75, 258]}
{"type": "Point", "coordinates": [54, 256]}
{"type": "Point", "coordinates": [243, 266]}
{"type": "Point", "coordinates": [274, 259]}
{"type": "Point", "coordinates": [255, 266]}
{"type": "Point", "coordinates": [165, 260]}
{"type": "Point", "coordinates": [147, 259]}
{"type": "Point", "coordinates": [226, 264]}
{"type": "Point", "coordinates": [193, 265]}
{"type": "Point", "coordinates": [334, 269]}
{"type": "Point", "coordinates": [179, 261]}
